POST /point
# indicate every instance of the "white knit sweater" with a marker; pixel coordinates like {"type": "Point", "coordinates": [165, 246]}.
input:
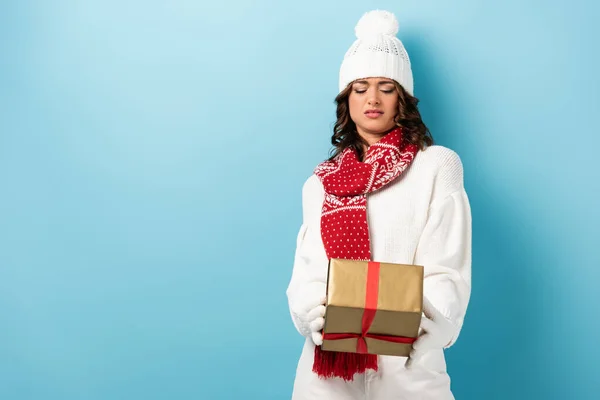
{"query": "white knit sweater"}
{"type": "Point", "coordinates": [422, 218]}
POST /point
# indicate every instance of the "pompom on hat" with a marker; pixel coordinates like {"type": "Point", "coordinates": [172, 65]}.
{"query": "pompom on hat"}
{"type": "Point", "coordinates": [377, 52]}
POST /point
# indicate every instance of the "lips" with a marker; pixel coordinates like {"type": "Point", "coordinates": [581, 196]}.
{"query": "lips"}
{"type": "Point", "coordinates": [373, 113]}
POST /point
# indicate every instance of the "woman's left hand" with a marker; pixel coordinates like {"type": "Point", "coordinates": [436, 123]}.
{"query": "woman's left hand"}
{"type": "Point", "coordinates": [436, 332]}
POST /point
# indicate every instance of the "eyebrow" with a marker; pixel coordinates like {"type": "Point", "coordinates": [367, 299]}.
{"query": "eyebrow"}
{"type": "Point", "coordinates": [379, 83]}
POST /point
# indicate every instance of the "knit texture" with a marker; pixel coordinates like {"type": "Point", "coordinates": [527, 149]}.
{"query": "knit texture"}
{"type": "Point", "coordinates": [422, 217]}
{"type": "Point", "coordinates": [377, 52]}
{"type": "Point", "coordinates": [347, 181]}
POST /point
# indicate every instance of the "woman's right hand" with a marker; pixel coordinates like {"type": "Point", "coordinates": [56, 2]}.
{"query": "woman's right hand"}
{"type": "Point", "coordinates": [316, 318]}
{"type": "Point", "coordinates": [310, 308]}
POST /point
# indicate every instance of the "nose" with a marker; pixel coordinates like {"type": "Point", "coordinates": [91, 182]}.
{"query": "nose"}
{"type": "Point", "coordinates": [373, 99]}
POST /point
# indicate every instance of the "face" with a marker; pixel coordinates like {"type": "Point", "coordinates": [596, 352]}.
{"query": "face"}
{"type": "Point", "coordinates": [373, 105]}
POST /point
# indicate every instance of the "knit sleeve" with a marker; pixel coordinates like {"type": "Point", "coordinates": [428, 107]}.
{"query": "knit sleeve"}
{"type": "Point", "coordinates": [309, 272]}
{"type": "Point", "coordinates": [445, 252]}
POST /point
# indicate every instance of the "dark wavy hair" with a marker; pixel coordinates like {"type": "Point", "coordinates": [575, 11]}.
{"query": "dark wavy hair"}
{"type": "Point", "coordinates": [408, 117]}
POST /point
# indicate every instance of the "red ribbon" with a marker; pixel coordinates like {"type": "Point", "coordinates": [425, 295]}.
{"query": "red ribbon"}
{"type": "Point", "coordinates": [371, 296]}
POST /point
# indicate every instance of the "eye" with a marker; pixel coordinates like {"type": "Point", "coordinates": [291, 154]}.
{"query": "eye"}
{"type": "Point", "coordinates": [388, 91]}
{"type": "Point", "coordinates": [360, 90]}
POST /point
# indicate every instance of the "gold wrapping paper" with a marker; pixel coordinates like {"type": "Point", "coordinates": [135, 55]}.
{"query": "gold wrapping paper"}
{"type": "Point", "coordinates": [399, 305]}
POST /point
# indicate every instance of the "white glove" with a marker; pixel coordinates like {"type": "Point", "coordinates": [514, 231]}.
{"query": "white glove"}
{"type": "Point", "coordinates": [436, 332]}
{"type": "Point", "coordinates": [317, 320]}
{"type": "Point", "coordinates": [309, 308]}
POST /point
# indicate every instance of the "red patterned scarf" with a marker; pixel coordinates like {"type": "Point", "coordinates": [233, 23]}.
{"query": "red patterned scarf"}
{"type": "Point", "coordinates": [344, 230]}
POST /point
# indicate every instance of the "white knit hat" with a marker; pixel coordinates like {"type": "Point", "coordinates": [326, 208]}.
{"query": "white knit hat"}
{"type": "Point", "coordinates": [377, 52]}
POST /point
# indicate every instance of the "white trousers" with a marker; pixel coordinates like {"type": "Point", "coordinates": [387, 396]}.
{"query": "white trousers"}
{"type": "Point", "coordinates": [424, 380]}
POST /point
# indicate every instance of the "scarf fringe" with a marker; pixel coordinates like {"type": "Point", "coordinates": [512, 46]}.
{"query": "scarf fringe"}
{"type": "Point", "coordinates": [332, 364]}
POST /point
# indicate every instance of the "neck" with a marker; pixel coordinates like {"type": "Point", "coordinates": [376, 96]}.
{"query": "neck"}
{"type": "Point", "coordinates": [371, 137]}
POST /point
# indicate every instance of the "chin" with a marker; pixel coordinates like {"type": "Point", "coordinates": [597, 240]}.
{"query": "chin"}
{"type": "Point", "coordinates": [376, 127]}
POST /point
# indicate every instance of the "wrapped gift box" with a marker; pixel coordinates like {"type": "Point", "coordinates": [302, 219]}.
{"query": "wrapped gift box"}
{"type": "Point", "coordinates": [372, 307]}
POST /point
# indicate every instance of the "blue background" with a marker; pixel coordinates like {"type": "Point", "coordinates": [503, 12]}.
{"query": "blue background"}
{"type": "Point", "coordinates": [152, 155]}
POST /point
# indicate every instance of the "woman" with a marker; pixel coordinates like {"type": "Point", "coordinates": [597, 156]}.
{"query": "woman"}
{"type": "Point", "coordinates": [386, 194]}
